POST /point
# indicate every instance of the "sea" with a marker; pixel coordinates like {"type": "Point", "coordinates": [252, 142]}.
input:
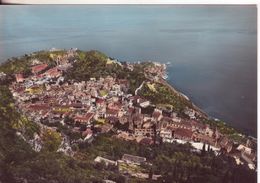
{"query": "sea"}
{"type": "Point", "coordinates": [210, 50]}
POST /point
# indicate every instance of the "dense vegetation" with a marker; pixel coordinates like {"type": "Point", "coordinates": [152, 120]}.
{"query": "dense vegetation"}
{"type": "Point", "coordinates": [161, 94]}
{"type": "Point", "coordinates": [175, 162]}
{"type": "Point", "coordinates": [22, 64]}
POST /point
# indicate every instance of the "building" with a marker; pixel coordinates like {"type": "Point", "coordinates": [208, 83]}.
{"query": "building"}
{"type": "Point", "coordinates": [225, 144]}
{"type": "Point", "coordinates": [183, 134]}
{"type": "Point", "coordinates": [157, 114]}
{"type": "Point", "coordinates": [196, 126]}
{"type": "Point", "coordinates": [86, 119]}
{"type": "Point", "coordinates": [144, 132]}
{"type": "Point", "coordinates": [53, 73]}
{"type": "Point", "coordinates": [111, 112]}
{"type": "Point", "coordinates": [107, 162]}
{"type": "Point", "coordinates": [2, 75]}
{"type": "Point", "coordinates": [124, 119]}
{"type": "Point", "coordinates": [38, 68]}
{"type": "Point", "coordinates": [106, 128]}
{"type": "Point", "coordinates": [138, 160]}
{"type": "Point", "coordinates": [190, 112]}
{"type": "Point", "coordinates": [143, 103]}
{"type": "Point", "coordinates": [166, 133]}
{"type": "Point", "coordinates": [19, 78]}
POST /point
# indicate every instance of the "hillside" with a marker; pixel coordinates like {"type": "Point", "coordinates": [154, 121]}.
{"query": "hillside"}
{"type": "Point", "coordinates": [53, 125]}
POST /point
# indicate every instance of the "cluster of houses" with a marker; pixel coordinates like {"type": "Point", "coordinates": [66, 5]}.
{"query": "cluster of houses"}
{"type": "Point", "coordinates": [97, 105]}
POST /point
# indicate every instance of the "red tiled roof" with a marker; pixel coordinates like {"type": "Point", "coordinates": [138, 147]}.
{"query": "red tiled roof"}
{"type": "Point", "coordinates": [89, 115]}
{"type": "Point", "coordinates": [79, 105]}
{"type": "Point", "coordinates": [123, 81]}
{"type": "Point", "coordinates": [99, 101]}
{"type": "Point", "coordinates": [183, 133]}
{"type": "Point", "coordinates": [53, 72]}
{"type": "Point", "coordinates": [38, 107]}
{"type": "Point", "coordinates": [156, 114]}
{"type": "Point", "coordinates": [186, 124]}
{"type": "Point", "coordinates": [112, 111]}
{"type": "Point", "coordinates": [85, 118]}
{"type": "Point", "coordinates": [198, 124]}
{"type": "Point", "coordinates": [38, 68]}
{"type": "Point", "coordinates": [112, 119]}
{"type": "Point", "coordinates": [131, 110]}
{"type": "Point", "coordinates": [114, 106]}
{"type": "Point", "coordinates": [87, 132]}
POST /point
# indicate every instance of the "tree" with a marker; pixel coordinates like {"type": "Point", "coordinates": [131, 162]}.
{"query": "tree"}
{"type": "Point", "coordinates": [203, 151]}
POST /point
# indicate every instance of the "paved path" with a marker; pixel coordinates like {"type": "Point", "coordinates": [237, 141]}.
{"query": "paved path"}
{"type": "Point", "coordinates": [139, 88]}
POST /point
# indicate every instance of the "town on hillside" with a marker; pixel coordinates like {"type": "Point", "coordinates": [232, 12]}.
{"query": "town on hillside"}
{"type": "Point", "coordinates": [101, 105]}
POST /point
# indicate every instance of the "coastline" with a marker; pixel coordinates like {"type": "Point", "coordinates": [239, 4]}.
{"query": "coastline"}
{"type": "Point", "coordinates": [164, 82]}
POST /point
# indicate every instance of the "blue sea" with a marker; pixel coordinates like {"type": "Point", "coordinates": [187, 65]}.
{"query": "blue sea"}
{"type": "Point", "coordinates": [211, 51]}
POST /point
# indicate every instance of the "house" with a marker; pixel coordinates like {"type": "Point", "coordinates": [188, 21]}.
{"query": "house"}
{"type": "Point", "coordinates": [209, 131]}
{"type": "Point", "coordinates": [204, 138]}
{"type": "Point", "coordinates": [183, 125]}
{"type": "Point", "coordinates": [115, 106]}
{"type": "Point", "coordinates": [38, 68]}
{"type": "Point", "coordinates": [106, 128]}
{"type": "Point", "coordinates": [100, 102]}
{"type": "Point", "coordinates": [87, 134]}
{"type": "Point", "coordinates": [148, 124]}
{"type": "Point", "coordinates": [125, 136]}
{"type": "Point", "coordinates": [243, 148]}
{"type": "Point", "coordinates": [108, 181]}
{"type": "Point", "coordinates": [138, 160]}
{"type": "Point", "coordinates": [124, 119]}
{"type": "Point", "coordinates": [247, 154]}
{"type": "Point", "coordinates": [111, 112]}
{"type": "Point", "coordinates": [190, 112]}
{"type": "Point", "coordinates": [144, 132]}
{"type": "Point", "coordinates": [157, 114]}
{"type": "Point", "coordinates": [166, 133]}
{"type": "Point", "coordinates": [165, 122]}
{"type": "Point", "coordinates": [107, 162]}
{"type": "Point", "coordinates": [124, 84]}
{"type": "Point", "coordinates": [130, 67]}
{"type": "Point", "coordinates": [183, 134]}
{"type": "Point", "coordinates": [249, 158]}
{"type": "Point", "coordinates": [137, 120]}
{"type": "Point", "coordinates": [112, 119]}
{"type": "Point", "coordinates": [176, 119]}
{"type": "Point", "coordinates": [225, 144]}
{"type": "Point", "coordinates": [2, 75]}
{"type": "Point", "coordinates": [196, 126]}
{"type": "Point", "coordinates": [53, 73]}
{"type": "Point", "coordinates": [143, 102]}
{"type": "Point", "coordinates": [133, 99]}
{"type": "Point", "coordinates": [19, 78]}
{"type": "Point", "coordinates": [85, 119]}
